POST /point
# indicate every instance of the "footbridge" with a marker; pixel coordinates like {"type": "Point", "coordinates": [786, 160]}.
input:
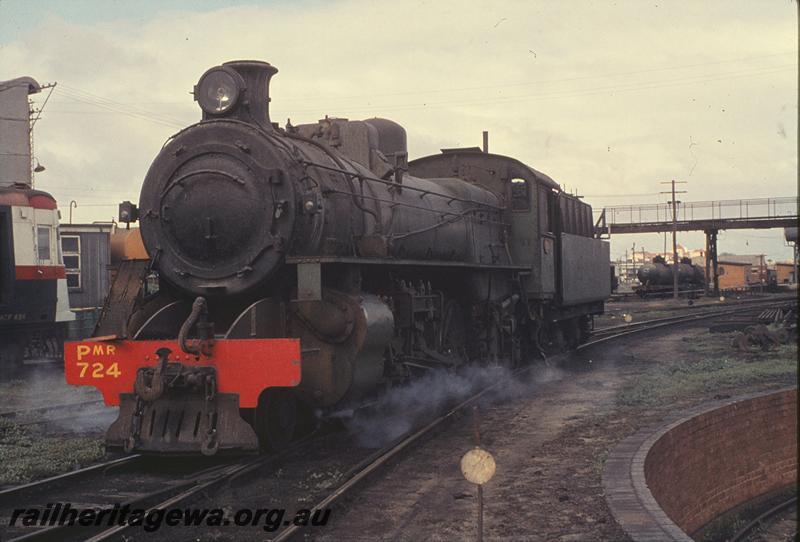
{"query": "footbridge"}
{"type": "Point", "coordinates": [706, 216]}
{"type": "Point", "coordinates": [741, 214]}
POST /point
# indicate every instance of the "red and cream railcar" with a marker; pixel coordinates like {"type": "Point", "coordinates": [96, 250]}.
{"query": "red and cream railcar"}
{"type": "Point", "coordinates": [34, 304]}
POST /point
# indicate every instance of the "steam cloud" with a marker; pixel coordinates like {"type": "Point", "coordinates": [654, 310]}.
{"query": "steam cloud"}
{"type": "Point", "coordinates": [406, 407]}
{"type": "Point", "coordinates": [42, 385]}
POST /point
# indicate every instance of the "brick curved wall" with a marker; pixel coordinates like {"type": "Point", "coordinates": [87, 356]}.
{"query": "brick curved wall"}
{"type": "Point", "coordinates": [722, 458]}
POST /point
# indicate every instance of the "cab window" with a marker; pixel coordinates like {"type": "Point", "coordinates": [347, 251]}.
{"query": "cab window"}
{"type": "Point", "coordinates": [520, 196]}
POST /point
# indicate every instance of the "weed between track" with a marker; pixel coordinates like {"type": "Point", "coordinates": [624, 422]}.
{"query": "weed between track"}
{"type": "Point", "coordinates": [718, 365]}
{"type": "Point", "coordinates": [25, 457]}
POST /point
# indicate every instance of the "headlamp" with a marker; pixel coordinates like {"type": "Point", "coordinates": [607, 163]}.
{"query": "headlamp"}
{"type": "Point", "coordinates": [218, 90]}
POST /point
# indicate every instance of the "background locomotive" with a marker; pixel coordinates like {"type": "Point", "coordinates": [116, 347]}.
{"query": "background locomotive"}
{"type": "Point", "coordinates": [34, 306]}
{"type": "Point", "coordinates": [656, 278]}
{"type": "Point", "coordinates": [327, 234]}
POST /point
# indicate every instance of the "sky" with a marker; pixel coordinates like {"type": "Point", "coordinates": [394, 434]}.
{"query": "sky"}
{"type": "Point", "coordinates": [609, 98]}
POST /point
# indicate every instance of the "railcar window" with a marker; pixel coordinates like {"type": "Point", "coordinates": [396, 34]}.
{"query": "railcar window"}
{"type": "Point", "coordinates": [71, 251]}
{"type": "Point", "coordinates": [43, 242]}
{"type": "Point", "coordinates": [520, 196]}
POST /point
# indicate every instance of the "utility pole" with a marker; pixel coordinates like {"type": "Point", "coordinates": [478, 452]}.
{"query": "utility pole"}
{"type": "Point", "coordinates": [627, 264]}
{"type": "Point", "coordinates": [674, 203]}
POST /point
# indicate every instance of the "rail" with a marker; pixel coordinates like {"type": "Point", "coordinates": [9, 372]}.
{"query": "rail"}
{"type": "Point", "coordinates": [206, 481]}
{"type": "Point", "coordinates": [745, 532]}
{"type": "Point", "coordinates": [614, 332]}
{"type": "Point", "coordinates": [383, 456]}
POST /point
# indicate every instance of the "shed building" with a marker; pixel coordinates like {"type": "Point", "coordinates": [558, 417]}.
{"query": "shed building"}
{"type": "Point", "coordinates": [784, 273]}
{"type": "Point", "coordinates": [734, 275]}
{"type": "Point", "coordinates": [86, 253]}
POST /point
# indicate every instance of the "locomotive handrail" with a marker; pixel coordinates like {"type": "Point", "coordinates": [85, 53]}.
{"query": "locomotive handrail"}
{"type": "Point", "coordinates": [459, 216]}
{"type": "Point", "coordinates": [293, 260]}
{"type": "Point", "coordinates": [393, 203]}
{"type": "Point", "coordinates": [405, 187]}
{"type": "Point", "coordinates": [326, 150]}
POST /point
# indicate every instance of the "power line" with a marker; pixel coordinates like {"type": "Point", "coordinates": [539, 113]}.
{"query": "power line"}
{"type": "Point", "coordinates": [127, 108]}
{"type": "Point", "coordinates": [149, 118]}
{"type": "Point", "coordinates": [576, 93]}
{"type": "Point", "coordinates": [123, 110]}
{"type": "Point", "coordinates": [545, 81]}
{"type": "Point", "coordinates": [108, 101]}
{"type": "Point", "coordinates": [39, 111]}
{"type": "Point", "coordinates": [304, 98]}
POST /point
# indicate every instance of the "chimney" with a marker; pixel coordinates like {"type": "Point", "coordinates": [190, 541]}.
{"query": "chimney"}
{"type": "Point", "coordinates": [256, 75]}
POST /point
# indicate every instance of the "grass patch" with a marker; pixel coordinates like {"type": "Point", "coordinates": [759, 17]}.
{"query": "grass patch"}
{"type": "Point", "coordinates": [717, 365]}
{"type": "Point", "coordinates": [24, 457]}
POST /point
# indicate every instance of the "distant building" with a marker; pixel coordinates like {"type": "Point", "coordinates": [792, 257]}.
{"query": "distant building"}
{"type": "Point", "coordinates": [734, 275]}
{"type": "Point", "coordinates": [784, 273]}
{"type": "Point", "coordinates": [85, 249]}
{"type": "Point", "coordinates": [753, 259]}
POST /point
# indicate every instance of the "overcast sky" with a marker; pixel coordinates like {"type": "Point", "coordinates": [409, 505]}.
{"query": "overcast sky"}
{"type": "Point", "coordinates": [609, 98]}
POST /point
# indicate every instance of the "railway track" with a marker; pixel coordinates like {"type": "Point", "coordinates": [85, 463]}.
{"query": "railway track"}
{"type": "Point", "coordinates": [133, 481]}
{"type": "Point", "coordinates": [612, 332]}
{"type": "Point", "coordinates": [169, 489]}
{"type": "Point", "coordinates": [613, 308]}
{"type": "Point", "coordinates": [137, 482]}
{"type": "Point", "coordinates": [381, 458]}
{"type": "Point", "coordinates": [767, 525]}
{"type": "Point", "coordinates": [10, 494]}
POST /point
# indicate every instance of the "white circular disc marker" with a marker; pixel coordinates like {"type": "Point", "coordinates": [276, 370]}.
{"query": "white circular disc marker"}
{"type": "Point", "coordinates": [478, 466]}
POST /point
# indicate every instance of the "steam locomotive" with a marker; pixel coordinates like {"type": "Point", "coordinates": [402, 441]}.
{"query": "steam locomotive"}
{"type": "Point", "coordinates": [656, 278]}
{"type": "Point", "coordinates": [34, 304]}
{"type": "Point", "coordinates": [306, 267]}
